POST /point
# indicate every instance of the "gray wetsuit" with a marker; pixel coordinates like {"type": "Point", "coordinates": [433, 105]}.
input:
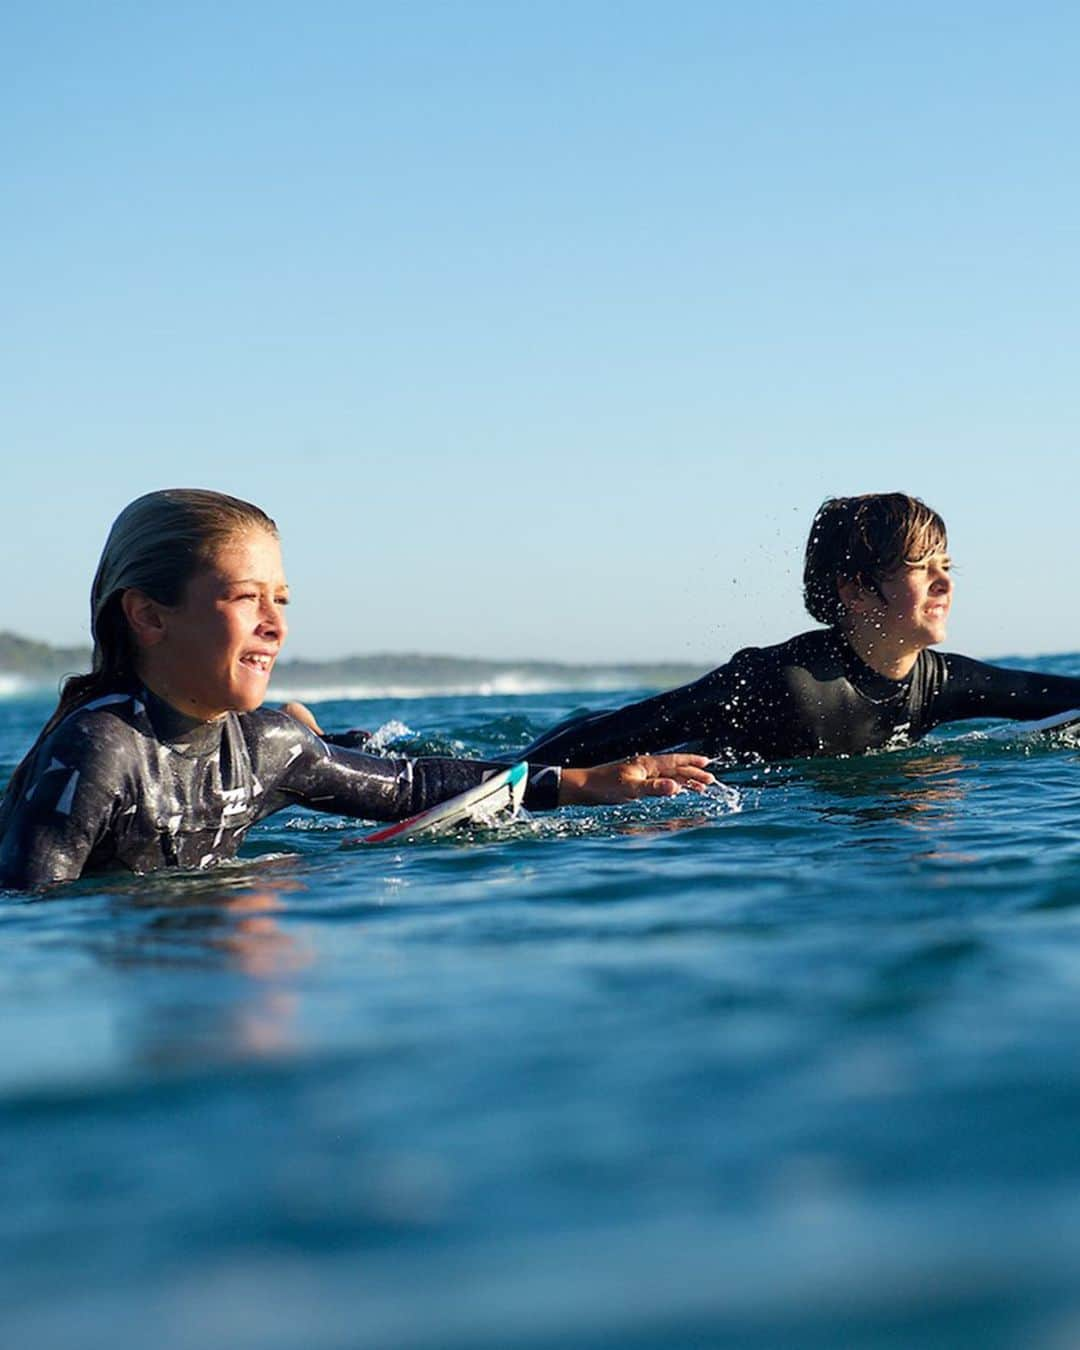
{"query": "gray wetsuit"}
{"type": "Point", "coordinates": [126, 781]}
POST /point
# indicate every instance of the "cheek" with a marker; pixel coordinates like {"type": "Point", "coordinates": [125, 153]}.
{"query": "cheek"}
{"type": "Point", "coordinates": [210, 641]}
{"type": "Point", "coordinates": [234, 631]}
{"type": "Point", "coordinates": [901, 601]}
{"type": "Point", "coordinates": [910, 597]}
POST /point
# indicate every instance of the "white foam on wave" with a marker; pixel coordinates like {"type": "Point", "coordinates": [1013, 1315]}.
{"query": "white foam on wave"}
{"type": "Point", "coordinates": [382, 736]}
{"type": "Point", "coordinates": [13, 686]}
{"type": "Point", "coordinates": [510, 682]}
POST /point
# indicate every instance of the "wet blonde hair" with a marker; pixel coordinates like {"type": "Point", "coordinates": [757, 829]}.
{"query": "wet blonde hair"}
{"type": "Point", "coordinates": [157, 544]}
{"type": "Point", "coordinates": [863, 539]}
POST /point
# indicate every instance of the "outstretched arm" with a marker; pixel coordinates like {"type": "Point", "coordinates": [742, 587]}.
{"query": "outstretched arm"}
{"type": "Point", "coordinates": [976, 689]}
{"type": "Point", "coordinates": [348, 782]}
{"type": "Point", "coordinates": [701, 711]}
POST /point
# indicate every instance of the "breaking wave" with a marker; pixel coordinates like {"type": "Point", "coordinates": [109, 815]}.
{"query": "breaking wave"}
{"type": "Point", "coordinates": [502, 684]}
{"type": "Point", "coordinates": [14, 686]}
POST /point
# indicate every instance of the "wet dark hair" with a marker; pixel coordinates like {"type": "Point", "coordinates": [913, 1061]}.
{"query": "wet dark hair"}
{"type": "Point", "coordinates": [863, 539]}
{"type": "Point", "coordinates": [156, 545]}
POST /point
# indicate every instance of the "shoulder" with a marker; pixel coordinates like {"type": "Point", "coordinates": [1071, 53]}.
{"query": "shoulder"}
{"type": "Point", "coordinates": [272, 734]}
{"type": "Point", "coordinates": [938, 675]}
{"type": "Point", "coordinates": [266, 721]}
{"type": "Point", "coordinates": [98, 731]}
{"type": "Point", "coordinates": [793, 651]}
{"type": "Point", "coordinates": [800, 650]}
{"type": "Point", "coordinates": [273, 724]}
{"type": "Point", "coordinates": [949, 663]}
{"type": "Point", "coordinates": [85, 763]}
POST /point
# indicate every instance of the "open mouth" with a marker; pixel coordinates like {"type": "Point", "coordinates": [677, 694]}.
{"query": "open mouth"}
{"type": "Point", "coordinates": [258, 661]}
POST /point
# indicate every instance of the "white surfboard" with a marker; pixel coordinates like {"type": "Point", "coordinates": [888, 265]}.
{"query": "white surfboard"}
{"type": "Point", "coordinates": [1062, 721]}
{"type": "Point", "coordinates": [499, 796]}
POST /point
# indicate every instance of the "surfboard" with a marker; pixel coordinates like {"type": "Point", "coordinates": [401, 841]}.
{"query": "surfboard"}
{"type": "Point", "coordinates": [1062, 721]}
{"type": "Point", "coordinates": [499, 796]}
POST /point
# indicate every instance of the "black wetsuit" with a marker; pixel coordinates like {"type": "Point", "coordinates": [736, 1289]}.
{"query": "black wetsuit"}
{"type": "Point", "coordinates": [128, 782]}
{"type": "Point", "coordinates": [809, 696]}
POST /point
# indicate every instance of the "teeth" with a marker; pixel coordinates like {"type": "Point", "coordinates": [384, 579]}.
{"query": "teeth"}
{"type": "Point", "coordinates": [259, 662]}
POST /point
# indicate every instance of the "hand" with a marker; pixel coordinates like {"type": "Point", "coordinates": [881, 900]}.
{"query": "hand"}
{"type": "Point", "coordinates": [628, 779]}
{"type": "Point", "coordinates": [303, 714]}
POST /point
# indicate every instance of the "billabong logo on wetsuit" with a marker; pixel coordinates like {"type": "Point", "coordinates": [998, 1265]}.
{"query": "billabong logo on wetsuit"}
{"type": "Point", "coordinates": [900, 737]}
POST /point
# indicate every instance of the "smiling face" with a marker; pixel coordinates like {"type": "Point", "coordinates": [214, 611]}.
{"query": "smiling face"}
{"type": "Point", "coordinates": [917, 598]}
{"type": "Point", "coordinates": [890, 629]}
{"type": "Point", "coordinates": [214, 651]}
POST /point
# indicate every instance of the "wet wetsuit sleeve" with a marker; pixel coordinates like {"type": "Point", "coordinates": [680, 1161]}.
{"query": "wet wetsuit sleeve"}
{"type": "Point", "coordinates": [706, 710]}
{"type": "Point", "coordinates": [975, 689]}
{"type": "Point", "coordinates": [350, 783]}
{"type": "Point", "coordinates": [353, 739]}
{"type": "Point", "coordinates": [65, 810]}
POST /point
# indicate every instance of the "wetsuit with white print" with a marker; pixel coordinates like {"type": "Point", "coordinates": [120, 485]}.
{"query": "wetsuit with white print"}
{"type": "Point", "coordinates": [126, 781]}
{"type": "Point", "coordinates": [811, 695]}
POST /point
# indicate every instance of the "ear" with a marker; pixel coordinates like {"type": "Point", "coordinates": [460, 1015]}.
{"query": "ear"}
{"type": "Point", "coordinates": [855, 597]}
{"type": "Point", "coordinates": [145, 617]}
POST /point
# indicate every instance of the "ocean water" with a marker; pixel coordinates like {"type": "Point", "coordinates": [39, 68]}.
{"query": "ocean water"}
{"type": "Point", "coordinates": [790, 1064]}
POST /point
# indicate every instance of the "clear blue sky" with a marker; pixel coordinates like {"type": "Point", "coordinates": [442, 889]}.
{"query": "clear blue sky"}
{"type": "Point", "coordinates": [543, 328]}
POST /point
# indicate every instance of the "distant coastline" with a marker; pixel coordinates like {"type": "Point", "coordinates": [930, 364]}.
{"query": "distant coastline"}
{"type": "Point", "coordinates": [26, 665]}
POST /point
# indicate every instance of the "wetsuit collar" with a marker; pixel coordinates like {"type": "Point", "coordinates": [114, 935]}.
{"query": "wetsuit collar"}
{"type": "Point", "coordinates": [865, 680]}
{"type": "Point", "coordinates": [186, 735]}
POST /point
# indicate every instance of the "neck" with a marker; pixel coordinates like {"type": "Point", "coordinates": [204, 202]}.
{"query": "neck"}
{"type": "Point", "coordinates": [892, 659]}
{"type": "Point", "coordinates": [159, 683]}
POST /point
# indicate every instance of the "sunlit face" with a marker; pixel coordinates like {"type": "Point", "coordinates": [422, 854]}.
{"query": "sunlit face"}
{"type": "Point", "coordinates": [917, 598]}
{"type": "Point", "coordinates": [219, 644]}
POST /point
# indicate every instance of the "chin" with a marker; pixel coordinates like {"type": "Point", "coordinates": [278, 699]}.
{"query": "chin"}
{"type": "Point", "coordinates": [247, 694]}
{"type": "Point", "coordinates": [249, 702]}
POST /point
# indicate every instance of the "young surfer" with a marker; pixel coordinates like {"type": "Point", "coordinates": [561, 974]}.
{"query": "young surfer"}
{"type": "Point", "coordinates": [877, 575]}
{"type": "Point", "coordinates": [163, 756]}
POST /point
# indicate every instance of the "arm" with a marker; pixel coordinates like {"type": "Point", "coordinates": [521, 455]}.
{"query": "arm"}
{"type": "Point", "coordinates": [348, 782]}
{"type": "Point", "coordinates": [64, 811]}
{"type": "Point", "coordinates": [701, 711]}
{"type": "Point", "coordinates": [975, 689]}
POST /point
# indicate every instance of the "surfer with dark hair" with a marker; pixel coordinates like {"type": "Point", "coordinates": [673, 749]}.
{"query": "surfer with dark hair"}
{"type": "Point", "coordinates": [877, 573]}
{"type": "Point", "coordinates": [163, 755]}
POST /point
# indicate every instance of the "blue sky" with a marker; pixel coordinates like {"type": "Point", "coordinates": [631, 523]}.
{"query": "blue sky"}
{"type": "Point", "coordinates": [542, 329]}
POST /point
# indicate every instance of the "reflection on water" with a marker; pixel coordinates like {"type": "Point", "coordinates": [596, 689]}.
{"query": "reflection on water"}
{"type": "Point", "coordinates": [923, 790]}
{"type": "Point", "coordinates": [216, 923]}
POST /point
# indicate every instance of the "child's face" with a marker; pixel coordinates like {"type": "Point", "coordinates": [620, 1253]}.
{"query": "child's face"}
{"type": "Point", "coordinates": [917, 598]}
{"type": "Point", "coordinates": [221, 641]}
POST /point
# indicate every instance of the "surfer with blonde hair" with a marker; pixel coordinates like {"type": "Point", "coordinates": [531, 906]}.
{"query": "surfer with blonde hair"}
{"type": "Point", "coordinates": [163, 755]}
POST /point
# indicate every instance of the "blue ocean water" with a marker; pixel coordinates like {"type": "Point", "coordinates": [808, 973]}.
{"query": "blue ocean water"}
{"type": "Point", "coordinates": [790, 1064]}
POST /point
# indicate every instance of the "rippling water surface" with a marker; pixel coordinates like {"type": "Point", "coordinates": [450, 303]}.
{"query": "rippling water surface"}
{"type": "Point", "coordinates": [791, 1065]}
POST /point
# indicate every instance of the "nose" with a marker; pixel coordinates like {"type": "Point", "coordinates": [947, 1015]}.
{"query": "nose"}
{"type": "Point", "coordinates": [272, 621]}
{"type": "Point", "coordinates": [941, 582]}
